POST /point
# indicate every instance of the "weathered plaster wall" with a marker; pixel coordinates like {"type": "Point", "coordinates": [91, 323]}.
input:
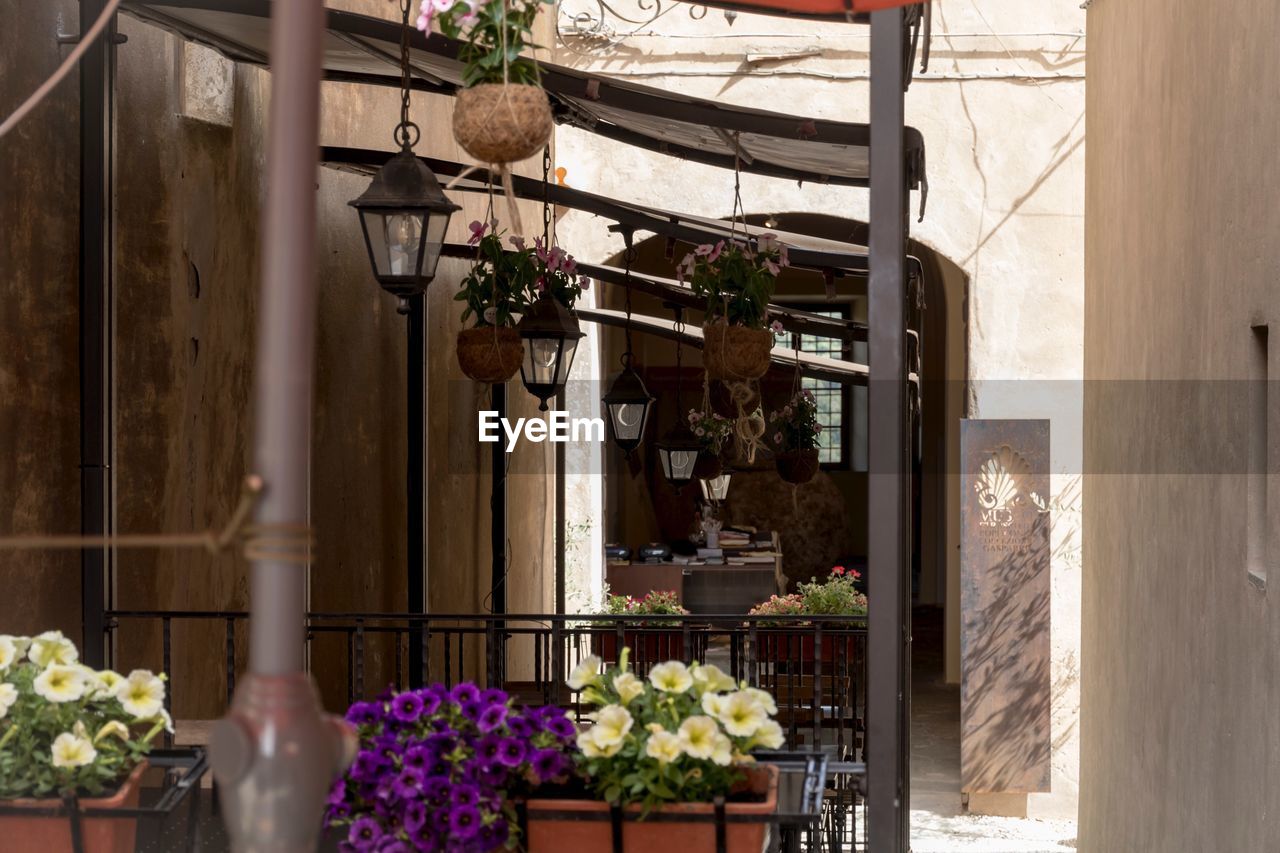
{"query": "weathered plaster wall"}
{"type": "Point", "coordinates": [39, 373]}
{"type": "Point", "coordinates": [1002, 113]}
{"type": "Point", "coordinates": [1181, 740]}
{"type": "Point", "coordinates": [191, 176]}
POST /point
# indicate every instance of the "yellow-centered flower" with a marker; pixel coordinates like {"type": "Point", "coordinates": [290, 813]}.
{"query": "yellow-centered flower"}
{"type": "Point", "coordinates": [698, 736]}
{"type": "Point", "coordinates": [60, 683]}
{"type": "Point", "coordinates": [70, 750]}
{"type": "Point", "coordinates": [628, 687]}
{"type": "Point", "coordinates": [8, 695]}
{"type": "Point", "coordinates": [586, 672]}
{"type": "Point", "coordinates": [742, 714]}
{"type": "Point", "coordinates": [141, 694]}
{"type": "Point", "coordinates": [50, 648]}
{"type": "Point", "coordinates": [664, 746]}
{"type": "Point", "coordinates": [671, 677]}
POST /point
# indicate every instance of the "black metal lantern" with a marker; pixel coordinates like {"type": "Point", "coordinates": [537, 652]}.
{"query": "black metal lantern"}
{"type": "Point", "coordinates": [678, 450]}
{"type": "Point", "coordinates": [628, 404]}
{"type": "Point", "coordinates": [551, 336]}
{"type": "Point", "coordinates": [716, 489]}
{"type": "Point", "coordinates": [404, 212]}
{"type": "Point", "coordinates": [628, 401]}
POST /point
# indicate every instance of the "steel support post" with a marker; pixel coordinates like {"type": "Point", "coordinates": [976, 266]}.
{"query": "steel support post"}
{"type": "Point", "coordinates": [275, 755]}
{"type": "Point", "coordinates": [416, 459]}
{"type": "Point", "coordinates": [887, 759]}
{"type": "Point", "coordinates": [561, 529]}
{"type": "Point", "coordinates": [498, 510]}
{"type": "Point", "coordinates": [97, 233]}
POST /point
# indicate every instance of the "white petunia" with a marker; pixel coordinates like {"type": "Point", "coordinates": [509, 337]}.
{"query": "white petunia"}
{"type": "Point", "coordinates": [50, 648]}
{"type": "Point", "coordinates": [742, 714]}
{"type": "Point", "coordinates": [141, 694]}
{"type": "Point", "coordinates": [114, 728]}
{"type": "Point", "coordinates": [108, 681]}
{"type": "Point", "coordinates": [664, 746]}
{"type": "Point", "coordinates": [586, 672]}
{"type": "Point", "coordinates": [764, 697]}
{"type": "Point", "coordinates": [590, 747]}
{"type": "Point", "coordinates": [8, 695]}
{"type": "Point", "coordinates": [712, 703]}
{"type": "Point", "coordinates": [698, 736]}
{"type": "Point", "coordinates": [711, 679]}
{"type": "Point", "coordinates": [769, 735]}
{"type": "Point", "coordinates": [613, 722]}
{"type": "Point", "coordinates": [8, 652]}
{"type": "Point", "coordinates": [60, 683]}
{"type": "Point", "coordinates": [722, 752]}
{"type": "Point", "coordinates": [671, 677]}
{"type": "Point", "coordinates": [70, 750]}
{"type": "Point", "coordinates": [628, 687]}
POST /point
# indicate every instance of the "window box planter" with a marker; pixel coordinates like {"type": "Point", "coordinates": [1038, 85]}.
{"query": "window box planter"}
{"type": "Point", "coordinates": [648, 645]}
{"type": "Point", "coordinates": [586, 826]}
{"type": "Point", "coordinates": [45, 831]}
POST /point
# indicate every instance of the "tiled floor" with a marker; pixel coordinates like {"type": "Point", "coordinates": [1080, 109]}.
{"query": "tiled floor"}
{"type": "Point", "coordinates": [938, 821]}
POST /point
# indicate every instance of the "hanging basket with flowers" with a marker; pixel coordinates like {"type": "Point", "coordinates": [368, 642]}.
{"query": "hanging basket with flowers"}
{"type": "Point", "coordinates": [502, 116]}
{"type": "Point", "coordinates": [496, 292]}
{"type": "Point", "coordinates": [793, 436]}
{"type": "Point", "coordinates": [714, 432]}
{"type": "Point", "coordinates": [736, 279]}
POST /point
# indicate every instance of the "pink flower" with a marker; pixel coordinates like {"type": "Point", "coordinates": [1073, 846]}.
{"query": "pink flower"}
{"type": "Point", "coordinates": [783, 259]}
{"type": "Point", "coordinates": [478, 229]}
{"type": "Point", "coordinates": [541, 284]}
{"type": "Point", "coordinates": [540, 250]}
{"type": "Point", "coordinates": [518, 242]}
{"type": "Point", "coordinates": [772, 267]}
{"type": "Point", "coordinates": [776, 325]}
{"type": "Point", "coordinates": [777, 438]}
{"type": "Point", "coordinates": [817, 427]}
{"type": "Point", "coordinates": [584, 283]}
{"type": "Point", "coordinates": [715, 253]}
{"type": "Point", "coordinates": [703, 250]}
{"type": "Point", "coordinates": [837, 570]}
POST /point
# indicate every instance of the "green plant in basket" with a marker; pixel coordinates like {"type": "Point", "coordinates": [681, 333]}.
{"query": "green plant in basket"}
{"type": "Point", "coordinates": [493, 33]}
{"type": "Point", "coordinates": [67, 727]}
{"type": "Point", "coordinates": [496, 289]}
{"type": "Point", "coordinates": [795, 426]}
{"type": "Point", "coordinates": [681, 735]}
{"type": "Point", "coordinates": [736, 278]}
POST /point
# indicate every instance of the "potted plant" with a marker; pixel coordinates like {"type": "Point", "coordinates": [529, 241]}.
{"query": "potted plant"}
{"type": "Point", "coordinates": [495, 292]}
{"type": "Point", "coordinates": [838, 595]}
{"type": "Point", "coordinates": [503, 114]}
{"type": "Point", "coordinates": [66, 728]}
{"type": "Point", "coordinates": [793, 435]}
{"type": "Point", "coordinates": [714, 432]}
{"type": "Point", "coordinates": [736, 279]}
{"type": "Point", "coordinates": [669, 744]}
{"type": "Point", "coordinates": [441, 769]}
{"type": "Point", "coordinates": [651, 645]}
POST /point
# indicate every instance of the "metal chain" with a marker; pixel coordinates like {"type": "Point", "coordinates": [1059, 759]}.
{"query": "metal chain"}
{"type": "Point", "coordinates": [546, 196]}
{"type": "Point", "coordinates": [679, 327]}
{"type": "Point", "coordinates": [402, 132]}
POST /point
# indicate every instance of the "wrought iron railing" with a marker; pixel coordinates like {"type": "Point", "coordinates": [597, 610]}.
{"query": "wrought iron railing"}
{"type": "Point", "coordinates": [815, 670]}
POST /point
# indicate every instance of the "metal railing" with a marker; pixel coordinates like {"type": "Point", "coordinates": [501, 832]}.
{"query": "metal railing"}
{"type": "Point", "coordinates": [815, 671]}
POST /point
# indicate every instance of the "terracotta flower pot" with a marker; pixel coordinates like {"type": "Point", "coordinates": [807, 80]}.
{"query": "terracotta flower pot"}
{"type": "Point", "coordinates": [736, 353]}
{"type": "Point", "coordinates": [797, 466]}
{"type": "Point", "coordinates": [43, 834]}
{"type": "Point", "coordinates": [490, 353]}
{"type": "Point", "coordinates": [549, 835]}
{"type": "Point", "coordinates": [497, 123]}
{"type": "Point", "coordinates": [708, 466]}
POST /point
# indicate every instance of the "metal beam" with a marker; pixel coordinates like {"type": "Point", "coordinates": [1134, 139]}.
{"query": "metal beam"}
{"type": "Point", "coordinates": [888, 685]}
{"type": "Point", "coordinates": [415, 479]}
{"type": "Point", "coordinates": [97, 233]}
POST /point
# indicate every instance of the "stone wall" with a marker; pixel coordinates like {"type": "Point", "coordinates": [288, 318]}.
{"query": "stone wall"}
{"type": "Point", "coordinates": [1181, 739]}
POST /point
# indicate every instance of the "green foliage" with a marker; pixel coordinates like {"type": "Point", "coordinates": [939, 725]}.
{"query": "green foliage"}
{"type": "Point", "coordinates": [680, 736]}
{"type": "Point", "coordinates": [654, 604]}
{"type": "Point", "coordinates": [711, 429]}
{"type": "Point", "coordinates": [836, 596]}
{"type": "Point", "coordinates": [495, 33]}
{"type": "Point", "coordinates": [499, 279]}
{"type": "Point", "coordinates": [795, 426]}
{"type": "Point", "coordinates": [736, 279]}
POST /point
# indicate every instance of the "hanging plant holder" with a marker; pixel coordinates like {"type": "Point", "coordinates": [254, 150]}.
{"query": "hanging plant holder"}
{"type": "Point", "coordinates": [797, 466]}
{"type": "Point", "coordinates": [490, 353]}
{"type": "Point", "coordinates": [502, 122]}
{"type": "Point", "coordinates": [724, 403]}
{"type": "Point", "coordinates": [736, 353]}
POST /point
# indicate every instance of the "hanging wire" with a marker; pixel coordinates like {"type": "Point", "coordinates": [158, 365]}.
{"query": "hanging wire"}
{"type": "Point", "coordinates": [628, 258]}
{"type": "Point", "coordinates": [679, 327]}
{"type": "Point", "coordinates": [739, 212]}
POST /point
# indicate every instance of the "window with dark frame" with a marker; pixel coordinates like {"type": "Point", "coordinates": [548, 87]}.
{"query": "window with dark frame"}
{"type": "Point", "coordinates": [833, 398]}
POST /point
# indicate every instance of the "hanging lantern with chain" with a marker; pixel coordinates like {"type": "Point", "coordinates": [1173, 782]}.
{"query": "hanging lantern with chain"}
{"type": "Point", "coordinates": [678, 449]}
{"type": "Point", "coordinates": [628, 401]}
{"type": "Point", "coordinates": [404, 213]}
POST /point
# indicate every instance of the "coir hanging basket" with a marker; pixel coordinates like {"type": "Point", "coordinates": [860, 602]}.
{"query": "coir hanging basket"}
{"type": "Point", "coordinates": [490, 353]}
{"type": "Point", "coordinates": [502, 122]}
{"type": "Point", "coordinates": [797, 466]}
{"type": "Point", "coordinates": [707, 466]}
{"type": "Point", "coordinates": [736, 352]}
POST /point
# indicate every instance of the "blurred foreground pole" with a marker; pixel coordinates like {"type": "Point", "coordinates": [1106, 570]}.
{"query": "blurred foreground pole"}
{"type": "Point", "coordinates": [275, 754]}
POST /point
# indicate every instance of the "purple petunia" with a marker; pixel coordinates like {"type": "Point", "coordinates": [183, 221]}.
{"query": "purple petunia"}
{"type": "Point", "coordinates": [520, 727]}
{"type": "Point", "coordinates": [549, 764]}
{"type": "Point", "coordinates": [511, 752]}
{"type": "Point", "coordinates": [406, 707]}
{"type": "Point", "coordinates": [408, 784]}
{"type": "Point", "coordinates": [491, 717]}
{"type": "Point", "coordinates": [562, 727]}
{"type": "Point", "coordinates": [465, 692]}
{"type": "Point", "coordinates": [364, 714]}
{"type": "Point", "coordinates": [465, 795]}
{"type": "Point", "coordinates": [364, 833]}
{"type": "Point", "coordinates": [415, 816]}
{"type": "Point", "coordinates": [464, 822]}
